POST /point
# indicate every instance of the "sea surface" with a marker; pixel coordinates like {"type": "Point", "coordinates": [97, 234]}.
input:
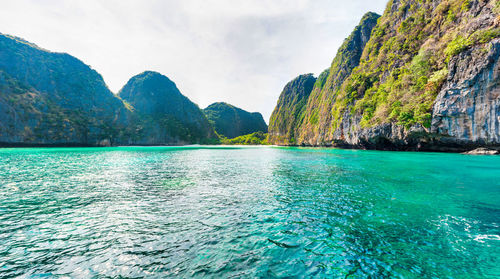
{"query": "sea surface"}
{"type": "Point", "coordinates": [249, 212]}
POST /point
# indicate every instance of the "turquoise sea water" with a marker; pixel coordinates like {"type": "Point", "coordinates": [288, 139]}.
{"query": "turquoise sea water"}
{"type": "Point", "coordinates": [265, 212]}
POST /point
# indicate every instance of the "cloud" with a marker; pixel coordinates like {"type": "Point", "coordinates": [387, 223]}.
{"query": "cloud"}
{"type": "Point", "coordinates": [238, 51]}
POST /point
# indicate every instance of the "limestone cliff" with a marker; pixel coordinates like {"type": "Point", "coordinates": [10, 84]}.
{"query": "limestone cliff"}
{"type": "Point", "coordinates": [231, 122]}
{"type": "Point", "coordinates": [162, 115]}
{"type": "Point", "coordinates": [467, 108]}
{"type": "Point", "coordinates": [53, 98]}
{"type": "Point", "coordinates": [290, 110]}
{"type": "Point", "coordinates": [427, 79]}
{"type": "Point", "coordinates": [49, 98]}
{"type": "Point", "coordinates": [316, 123]}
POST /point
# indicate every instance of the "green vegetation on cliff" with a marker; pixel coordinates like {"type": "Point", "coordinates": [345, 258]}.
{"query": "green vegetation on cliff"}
{"type": "Point", "coordinates": [53, 98]}
{"type": "Point", "coordinates": [388, 73]}
{"type": "Point", "coordinates": [257, 138]}
{"type": "Point", "coordinates": [230, 121]}
{"type": "Point", "coordinates": [406, 60]}
{"type": "Point", "coordinates": [289, 111]}
{"type": "Point", "coordinates": [318, 112]}
{"type": "Point", "coordinates": [162, 113]}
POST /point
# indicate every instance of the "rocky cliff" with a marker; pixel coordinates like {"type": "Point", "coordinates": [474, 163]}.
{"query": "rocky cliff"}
{"type": "Point", "coordinates": [467, 108]}
{"type": "Point", "coordinates": [231, 122]}
{"type": "Point", "coordinates": [427, 79]}
{"type": "Point", "coordinates": [289, 111]}
{"type": "Point", "coordinates": [49, 98]}
{"type": "Point", "coordinates": [53, 98]}
{"type": "Point", "coordinates": [315, 124]}
{"type": "Point", "coordinates": [161, 113]}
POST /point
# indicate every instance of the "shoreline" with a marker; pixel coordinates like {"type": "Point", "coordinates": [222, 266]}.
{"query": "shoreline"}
{"type": "Point", "coordinates": [440, 149]}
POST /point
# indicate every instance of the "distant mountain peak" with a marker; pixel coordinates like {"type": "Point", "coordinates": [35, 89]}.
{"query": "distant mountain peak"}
{"type": "Point", "coordinates": [50, 98]}
{"type": "Point", "coordinates": [231, 121]}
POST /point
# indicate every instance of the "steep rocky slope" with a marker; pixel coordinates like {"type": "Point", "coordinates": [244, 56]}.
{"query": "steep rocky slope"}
{"type": "Point", "coordinates": [427, 79]}
{"type": "Point", "coordinates": [49, 98]}
{"type": "Point", "coordinates": [53, 98]}
{"type": "Point", "coordinates": [318, 116]}
{"type": "Point", "coordinates": [162, 114]}
{"type": "Point", "coordinates": [468, 106]}
{"type": "Point", "coordinates": [290, 109]}
{"type": "Point", "coordinates": [231, 121]}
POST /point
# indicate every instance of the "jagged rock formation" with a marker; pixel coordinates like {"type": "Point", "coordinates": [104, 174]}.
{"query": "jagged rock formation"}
{"type": "Point", "coordinates": [290, 110]}
{"type": "Point", "coordinates": [427, 79]}
{"type": "Point", "coordinates": [51, 98]}
{"type": "Point", "coordinates": [232, 122]}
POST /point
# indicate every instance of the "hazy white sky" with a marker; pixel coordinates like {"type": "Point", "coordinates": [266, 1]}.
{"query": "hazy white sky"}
{"type": "Point", "coordinates": [241, 52]}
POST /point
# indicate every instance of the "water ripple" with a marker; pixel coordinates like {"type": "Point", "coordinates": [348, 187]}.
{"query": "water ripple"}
{"type": "Point", "coordinates": [198, 212]}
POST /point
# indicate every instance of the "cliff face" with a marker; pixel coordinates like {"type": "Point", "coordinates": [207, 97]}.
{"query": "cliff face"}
{"type": "Point", "coordinates": [315, 126]}
{"type": "Point", "coordinates": [232, 122]}
{"type": "Point", "coordinates": [427, 79]}
{"type": "Point", "coordinates": [468, 106]}
{"type": "Point", "coordinates": [162, 115]}
{"type": "Point", "coordinates": [290, 109]}
{"type": "Point", "coordinates": [53, 98]}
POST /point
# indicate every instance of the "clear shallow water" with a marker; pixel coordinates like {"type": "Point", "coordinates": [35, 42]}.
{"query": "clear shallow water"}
{"type": "Point", "coordinates": [247, 212]}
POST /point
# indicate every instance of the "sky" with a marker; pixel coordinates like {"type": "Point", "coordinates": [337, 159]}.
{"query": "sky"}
{"type": "Point", "coordinates": [242, 52]}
